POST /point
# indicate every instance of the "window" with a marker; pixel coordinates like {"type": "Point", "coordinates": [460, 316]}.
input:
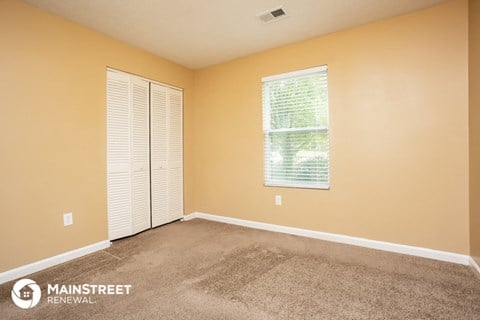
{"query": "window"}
{"type": "Point", "coordinates": [296, 131]}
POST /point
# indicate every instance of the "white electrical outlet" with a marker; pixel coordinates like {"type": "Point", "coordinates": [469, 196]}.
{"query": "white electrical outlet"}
{"type": "Point", "coordinates": [67, 219]}
{"type": "Point", "coordinates": [278, 200]}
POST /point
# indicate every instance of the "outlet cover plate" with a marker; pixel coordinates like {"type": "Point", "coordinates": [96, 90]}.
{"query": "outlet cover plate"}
{"type": "Point", "coordinates": [278, 200]}
{"type": "Point", "coordinates": [67, 219]}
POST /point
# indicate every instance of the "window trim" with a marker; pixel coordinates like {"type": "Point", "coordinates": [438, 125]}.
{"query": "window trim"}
{"type": "Point", "coordinates": [295, 73]}
{"type": "Point", "coordinates": [327, 129]}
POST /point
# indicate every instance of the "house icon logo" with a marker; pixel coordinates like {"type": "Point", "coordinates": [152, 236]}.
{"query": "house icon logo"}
{"type": "Point", "coordinates": [26, 293]}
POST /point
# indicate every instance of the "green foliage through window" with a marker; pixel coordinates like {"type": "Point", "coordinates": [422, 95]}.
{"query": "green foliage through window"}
{"type": "Point", "coordinates": [295, 111]}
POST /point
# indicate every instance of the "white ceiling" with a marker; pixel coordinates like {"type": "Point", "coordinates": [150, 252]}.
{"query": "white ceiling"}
{"type": "Point", "coordinates": [197, 33]}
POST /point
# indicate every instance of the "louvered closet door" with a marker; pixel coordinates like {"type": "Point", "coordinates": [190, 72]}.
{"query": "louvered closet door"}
{"type": "Point", "coordinates": [159, 151]}
{"type": "Point", "coordinates": [141, 154]}
{"type": "Point", "coordinates": [119, 189]}
{"type": "Point", "coordinates": [175, 154]}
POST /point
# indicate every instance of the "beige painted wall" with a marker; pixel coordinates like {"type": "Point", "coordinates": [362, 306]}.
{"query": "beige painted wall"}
{"type": "Point", "coordinates": [474, 75]}
{"type": "Point", "coordinates": [399, 133]}
{"type": "Point", "coordinates": [52, 129]}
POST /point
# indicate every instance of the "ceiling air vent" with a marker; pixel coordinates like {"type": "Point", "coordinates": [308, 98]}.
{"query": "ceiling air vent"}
{"type": "Point", "coordinates": [272, 15]}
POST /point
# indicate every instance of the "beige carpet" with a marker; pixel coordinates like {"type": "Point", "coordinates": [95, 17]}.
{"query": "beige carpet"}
{"type": "Point", "coordinates": [207, 270]}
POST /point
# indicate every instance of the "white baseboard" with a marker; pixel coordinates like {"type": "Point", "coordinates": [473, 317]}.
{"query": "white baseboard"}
{"type": "Point", "coordinates": [189, 216]}
{"type": "Point", "coordinates": [361, 242]}
{"type": "Point", "coordinates": [373, 244]}
{"type": "Point", "coordinates": [474, 265]}
{"type": "Point", "coordinates": [52, 261]}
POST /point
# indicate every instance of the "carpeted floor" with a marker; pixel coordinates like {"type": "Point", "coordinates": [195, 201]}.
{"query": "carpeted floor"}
{"type": "Point", "coordinates": [207, 270]}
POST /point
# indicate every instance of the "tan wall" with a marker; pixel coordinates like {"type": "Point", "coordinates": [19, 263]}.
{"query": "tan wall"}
{"type": "Point", "coordinates": [52, 129]}
{"type": "Point", "coordinates": [474, 75]}
{"type": "Point", "coordinates": [399, 133]}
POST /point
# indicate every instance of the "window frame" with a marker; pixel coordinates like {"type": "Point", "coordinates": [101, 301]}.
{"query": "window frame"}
{"type": "Point", "coordinates": [266, 132]}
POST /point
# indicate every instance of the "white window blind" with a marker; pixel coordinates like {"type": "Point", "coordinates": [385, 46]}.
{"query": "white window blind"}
{"type": "Point", "coordinates": [296, 129]}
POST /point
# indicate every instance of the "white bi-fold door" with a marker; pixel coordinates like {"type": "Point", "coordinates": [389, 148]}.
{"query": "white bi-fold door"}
{"type": "Point", "coordinates": [119, 136]}
{"type": "Point", "coordinates": [140, 154]}
{"type": "Point", "coordinates": [144, 154]}
{"type": "Point", "coordinates": [166, 154]}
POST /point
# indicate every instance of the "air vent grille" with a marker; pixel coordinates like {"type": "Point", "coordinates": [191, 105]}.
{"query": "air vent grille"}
{"type": "Point", "coordinates": [278, 13]}
{"type": "Point", "coordinates": [272, 15]}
